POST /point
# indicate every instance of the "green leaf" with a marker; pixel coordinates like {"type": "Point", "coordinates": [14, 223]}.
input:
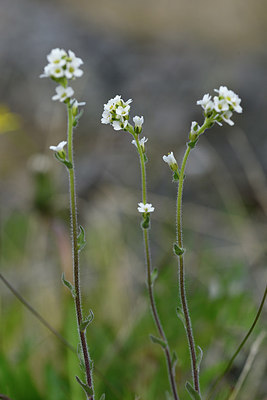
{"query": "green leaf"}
{"type": "Point", "coordinates": [146, 220]}
{"type": "Point", "coordinates": [81, 239]}
{"type": "Point", "coordinates": [159, 341]}
{"type": "Point", "coordinates": [88, 390]}
{"type": "Point", "coordinates": [68, 285]}
{"type": "Point", "coordinates": [86, 321]}
{"type": "Point", "coordinates": [154, 275]}
{"type": "Point", "coordinates": [193, 143]}
{"type": "Point", "coordinates": [67, 163]}
{"type": "Point", "coordinates": [103, 397]}
{"type": "Point", "coordinates": [193, 393]}
{"type": "Point", "coordinates": [175, 176]}
{"type": "Point", "coordinates": [180, 314]}
{"type": "Point", "coordinates": [76, 118]}
{"type": "Point", "coordinates": [80, 357]}
{"type": "Point", "coordinates": [145, 158]}
{"type": "Point", "coordinates": [199, 356]}
{"type": "Point", "coordinates": [178, 250]}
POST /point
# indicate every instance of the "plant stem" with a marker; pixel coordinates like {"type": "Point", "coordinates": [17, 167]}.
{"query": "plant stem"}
{"type": "Point", "coordinates": [75, 255]}
{"type": "Point", "coordinates": [181, 273]}
{"type": "Point", "coordinates": [179, 238]}
{"type": "Point", "coordinates": [150, 286]}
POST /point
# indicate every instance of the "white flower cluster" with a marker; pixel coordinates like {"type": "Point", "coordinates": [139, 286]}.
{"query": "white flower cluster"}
{"type": "Point", "coordinates": [116, 113]}
{"type": "Point", "coordinates": [61, 67]}
{"type": "Point", "coordinates": [62, 64]}
{"type": "Point", "coordinates": [221, 107]}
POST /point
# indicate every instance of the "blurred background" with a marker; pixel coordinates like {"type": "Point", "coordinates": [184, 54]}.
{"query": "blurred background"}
{"type": "Point", "coordinates": [164, 55]}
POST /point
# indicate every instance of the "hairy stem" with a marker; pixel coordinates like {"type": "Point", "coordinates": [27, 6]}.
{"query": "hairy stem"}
{"type": "Point", "coordinates": [181, 268]}
{"type": "Point", "coordinates": [75, 255]}
{"type": "Point", "coordinates": [179, 238]}
{"type": "Point", "coordinates": [150, 287]}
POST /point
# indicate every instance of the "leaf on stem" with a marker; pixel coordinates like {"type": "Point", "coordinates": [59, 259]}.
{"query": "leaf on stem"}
{"type": "Point", "coordinates": [199, 356]}
{"type": "Point", "coordinates": [80, 357]}
{"type": "Point", "coordinates": [88, 390]}
{"type": "Point", "coordinates": [81, 239]}
{"type": "Point", "coordinates": [68, 285]}
{"type": "Point", "coordinates": [86, 321]}
{"type": "Point", "coordinates": [76, 118]}
{"type": "Point", "coordinates": [67, 163]}
{"type": "Point", "coordinates": [180, 314]}
{"type": "Point", "coordinates": [159, 341]}
{"type": "Point", "coordinates": [102, 397]}
{"type": "Point", "coordinates": [145, 222]}
{"type": "Point", "coordinates": [178, 250]}
{"type": "Point", "coordinates": [175, 176]}
{"type": "Point", "coordinates": [192, 144]}
{"type": "Point", "coordinates": [193, 393]}
{"type": "Point", "coordinates": [154, 275]}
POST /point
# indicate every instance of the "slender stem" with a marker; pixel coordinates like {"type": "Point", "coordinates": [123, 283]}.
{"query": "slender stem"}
{"type": "Point", "coordinates": [230, 363]}
{"type": "Point", "coordinates": [75, 251]}
{"type": "Point", "coordinates": [150, 286]}
{"type": "Point", "coordinates": [179, 238]}
{"type": "Point", "coordinates": [181, 274]}
{"type": "Point", "coordinates": [36, 314]}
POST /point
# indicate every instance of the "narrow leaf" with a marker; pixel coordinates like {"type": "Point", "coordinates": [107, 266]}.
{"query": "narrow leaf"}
{"type": "Point", "coordinates": [159, 341]}
{"type": "Point", "coordinates": [177, 250]}
{"type": "Point", "coordinates": [86, 321]}
{"type": "Point", "coordinates": [199, 356]}
{"type": "Point", "coordinates": [193, 393]}
{"type": "Point", "coordinates": [180, 314]}
{"type": "Point", "coordinates": [154, 275]}
{"type": "Point", "coordinates": [145, 223]}
{"type": "Point", "coordinates": [80, 357]}
{"type": "Point", "coordinates": [81, 239]}
{"type": "Point", "coordinates": [68, 285]}
{"type": "Point", "coordinates": [77, 117]}
{"type": "Point", "coordinates": [88, 390]}
{"type": "Point", "coordinates": [103, 397]}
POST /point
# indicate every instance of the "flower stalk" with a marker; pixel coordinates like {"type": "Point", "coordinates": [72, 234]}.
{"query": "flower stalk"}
{"type": "Point", "coordinates": [150, 281]}
{"type": "Point", "coordinates": [75, 252]}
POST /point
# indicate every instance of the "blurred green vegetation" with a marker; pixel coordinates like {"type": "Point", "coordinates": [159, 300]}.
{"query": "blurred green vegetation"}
{"type": "Point", "coordinates": [35, 249]}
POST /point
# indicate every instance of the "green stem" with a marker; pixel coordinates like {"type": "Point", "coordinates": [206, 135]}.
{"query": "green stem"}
{"type": "Point", "coordinates": [171, 372]}
{"type": "Point", "coordinates": [181, 274]}
{"type": "Point", "coordinates": [75, 251]}
{"type": "Point", "coordinates": [230, 363]}
{"type": "Point", "coordinates": [179, 238]}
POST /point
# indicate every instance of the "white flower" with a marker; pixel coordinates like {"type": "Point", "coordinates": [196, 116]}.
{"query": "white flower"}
{"type": "Point", "coordinates": [118, 125]}
{"type": "Point", "coordinates": [145, 208]}
{"type": "Point", "coordinates": [226, 117]}
{"type": "Point", "coordinates": [205, 100]}
{"type": "Point", "coordinates": [171, 161]}
{"type": "Point", "coordinates": [73, 59]}
{"type": "Point", "coordinates": [63, 93]}
{"type": "Point", "coordinates": [59, 147]}
{"type": "Point", "coordinates": [220, 105]}
{"type": "Point", "coordinates": [141, 142]}
{"type": "Point", "coordinates": [72, 71]}
{"type": "Point", "coordinates": [56, 70]}
{"type": "Point", "coordinates": [56, 57]}
{"type": "Point", "coordinates": [138, 122]}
